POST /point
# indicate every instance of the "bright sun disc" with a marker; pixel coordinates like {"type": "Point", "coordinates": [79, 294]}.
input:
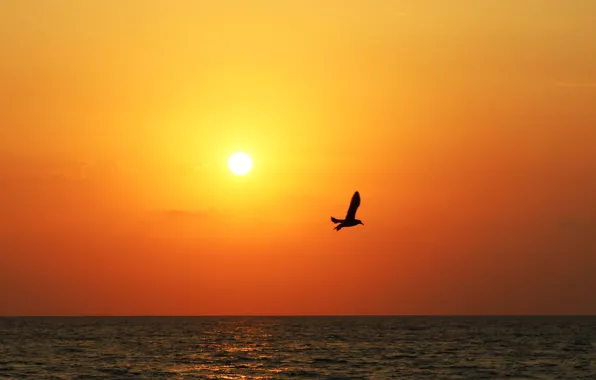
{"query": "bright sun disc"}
{"type": "Point", "coordinates": [240, 163]}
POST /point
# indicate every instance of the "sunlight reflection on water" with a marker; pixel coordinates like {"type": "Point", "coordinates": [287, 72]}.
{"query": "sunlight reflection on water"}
{"type": "Point", "coordinates": [299, 347]}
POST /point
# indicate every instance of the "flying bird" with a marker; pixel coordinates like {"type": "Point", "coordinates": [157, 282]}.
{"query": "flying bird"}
{"type": "Point", "coordinates": [350, 219]}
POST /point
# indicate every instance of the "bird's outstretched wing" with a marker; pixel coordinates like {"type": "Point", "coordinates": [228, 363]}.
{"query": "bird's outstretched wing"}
{"type": "Point", "coordinates": [353, 206]}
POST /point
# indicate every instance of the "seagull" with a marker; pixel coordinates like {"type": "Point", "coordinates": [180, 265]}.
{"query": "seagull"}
{"type": "Point", "coordinates": [350, 219]}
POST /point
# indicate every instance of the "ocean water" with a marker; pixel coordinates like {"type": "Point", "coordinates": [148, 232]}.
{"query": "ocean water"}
{"type": "Point", "coordinates": [298, 348]}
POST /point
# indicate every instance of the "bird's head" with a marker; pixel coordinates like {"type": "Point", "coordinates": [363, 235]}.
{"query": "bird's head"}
{"type": "Point", "coordinates": [358, 221]}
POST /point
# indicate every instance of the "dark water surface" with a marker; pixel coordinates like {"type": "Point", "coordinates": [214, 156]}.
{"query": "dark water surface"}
{"type": "Point", "coordinates": [298, 347]}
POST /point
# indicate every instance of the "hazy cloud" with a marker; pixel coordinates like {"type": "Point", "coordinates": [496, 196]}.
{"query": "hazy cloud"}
{"type": "Point", "coordinates": [576, 84]}
{"type": "Point", "coordinates": [179, 214]}
{"type": "Point", "coordinates": [578, 224]}
{"type": "Point", "coordinates": [68, 170]}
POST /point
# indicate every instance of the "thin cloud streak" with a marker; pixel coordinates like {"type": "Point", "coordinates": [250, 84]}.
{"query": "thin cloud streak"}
{"type": "Point", "coordinates": [576, 84]}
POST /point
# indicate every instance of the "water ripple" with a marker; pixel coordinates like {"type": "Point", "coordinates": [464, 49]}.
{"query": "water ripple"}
{"type": "Point", "coordinates": [298, 348]}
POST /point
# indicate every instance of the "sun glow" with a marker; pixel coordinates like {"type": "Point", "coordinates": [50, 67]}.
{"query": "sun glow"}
{"type": "Point", "coordinates": [240, 163]}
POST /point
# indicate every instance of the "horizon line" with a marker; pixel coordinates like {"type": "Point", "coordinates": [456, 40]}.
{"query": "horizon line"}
{"type": "Point", "coordinates": [287, 315]}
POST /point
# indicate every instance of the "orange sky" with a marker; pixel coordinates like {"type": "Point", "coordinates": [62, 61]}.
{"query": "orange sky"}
{"type": "Point", "coordinates": [469, 128]}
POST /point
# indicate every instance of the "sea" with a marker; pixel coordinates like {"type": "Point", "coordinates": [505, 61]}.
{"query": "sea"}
{"type": "Point", "coordinates": [298, 348]}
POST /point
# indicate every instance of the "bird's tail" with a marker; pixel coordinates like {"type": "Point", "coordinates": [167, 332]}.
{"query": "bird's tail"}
{"type": "Point", "coordinates": [336, 220]}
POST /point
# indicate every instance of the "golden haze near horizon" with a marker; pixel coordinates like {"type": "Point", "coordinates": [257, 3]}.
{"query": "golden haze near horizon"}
{"type": "Point", "coordinates": [469, 129]}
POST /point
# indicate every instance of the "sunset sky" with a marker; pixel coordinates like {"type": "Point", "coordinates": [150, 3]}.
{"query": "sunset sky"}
{"type": "Point", "coordinates": [468, 127]}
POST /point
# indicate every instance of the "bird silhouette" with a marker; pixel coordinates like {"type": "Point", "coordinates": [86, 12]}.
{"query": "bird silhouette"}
{"type": "Point", "coordinates": [350, 219]}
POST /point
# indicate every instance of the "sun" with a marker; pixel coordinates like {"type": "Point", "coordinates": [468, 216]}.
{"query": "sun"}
{"type": "Point", "coordinates": [240, 163]}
